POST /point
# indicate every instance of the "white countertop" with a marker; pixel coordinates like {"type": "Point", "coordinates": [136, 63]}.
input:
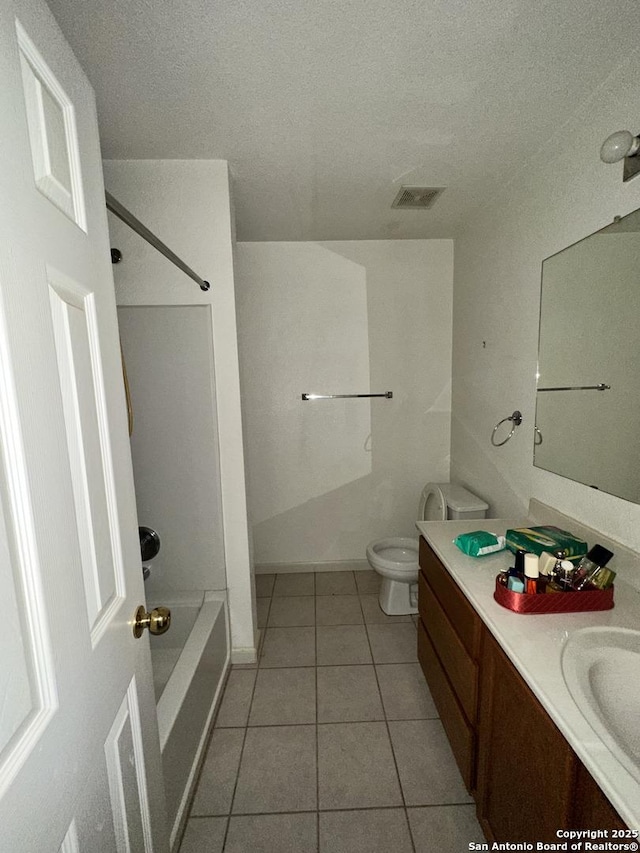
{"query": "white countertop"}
{"type": "Point", "coordinates": [534, 642]}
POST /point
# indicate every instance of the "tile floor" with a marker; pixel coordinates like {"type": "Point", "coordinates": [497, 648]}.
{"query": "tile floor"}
{"type": "Point", "coordinates": [332, 743]}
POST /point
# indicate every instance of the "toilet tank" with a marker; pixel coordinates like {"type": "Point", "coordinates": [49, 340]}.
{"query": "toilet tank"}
{"type": "Point", "coordinates": [462, 504]}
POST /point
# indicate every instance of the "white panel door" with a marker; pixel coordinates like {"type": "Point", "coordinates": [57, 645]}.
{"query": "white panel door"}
{"type": "Point", "coordinates": [80, 766]}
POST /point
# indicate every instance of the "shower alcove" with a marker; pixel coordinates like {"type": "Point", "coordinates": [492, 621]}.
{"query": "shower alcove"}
{"type": "Point", "coordinates": [168, 354]}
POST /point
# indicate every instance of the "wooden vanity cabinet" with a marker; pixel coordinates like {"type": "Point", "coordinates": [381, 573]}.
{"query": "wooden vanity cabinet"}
{"type": "Point", "coordinates": [526, 779]}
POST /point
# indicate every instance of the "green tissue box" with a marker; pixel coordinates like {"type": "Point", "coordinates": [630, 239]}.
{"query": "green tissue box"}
{"type": "Point", "coordinates": [550, 538]}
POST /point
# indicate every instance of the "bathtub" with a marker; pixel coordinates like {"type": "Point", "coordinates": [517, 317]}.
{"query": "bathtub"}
{"type": "Point", "coordinates": [190, 663]}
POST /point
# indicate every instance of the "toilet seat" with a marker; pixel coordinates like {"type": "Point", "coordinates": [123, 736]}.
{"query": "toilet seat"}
{"type": "Point", "coordinates": [395, 557]}
{"type": "Point", "coordinates": [433, 503]}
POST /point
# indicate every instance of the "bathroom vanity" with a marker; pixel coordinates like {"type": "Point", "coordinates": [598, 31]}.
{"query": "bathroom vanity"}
{"type": "Point", "coordinates": [527, 754]}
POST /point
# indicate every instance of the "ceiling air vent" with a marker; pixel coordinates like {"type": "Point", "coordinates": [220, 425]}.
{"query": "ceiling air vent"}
{"type": "Point", "coordinates": [417, 198]}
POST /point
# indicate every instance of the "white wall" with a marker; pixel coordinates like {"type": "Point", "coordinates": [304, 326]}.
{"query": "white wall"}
{"type": "Point", "coordinates": [188, 205]}
{"type": "Point", "coordinates": [327, 477]}
{"type": "Point", "coordinates": [561, 196]}
{"type": "Point", "coordinates": [174, 447]}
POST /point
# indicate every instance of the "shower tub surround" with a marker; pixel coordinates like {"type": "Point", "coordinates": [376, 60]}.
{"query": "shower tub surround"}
{"type": "Point", "coordinates": [190, 663]}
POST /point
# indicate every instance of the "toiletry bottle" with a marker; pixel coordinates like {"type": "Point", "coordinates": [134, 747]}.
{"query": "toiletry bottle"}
{"type": "Point", "coordinates": [596, 558]}
{"type": "Point", "coordinates": [556, 571]}
{"type": "Point", "coordinates": [546, 562]}
{"type": "Point", "coordinates": [531, 573]}
{"type": "Point", "coordinates": [562, 580]}
{"type": "Point", "coordinates": [601, 578]}
{"type": "Point", "coordinates": [568, 570]}
{"type": "Point", "coordinates": [515, 575]}
{"type": "Point", "coordinates": [517, 570]}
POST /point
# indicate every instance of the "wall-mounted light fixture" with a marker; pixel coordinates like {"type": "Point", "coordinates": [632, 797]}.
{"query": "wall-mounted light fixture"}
{"type": "Point", "coordinates": [622, 145]}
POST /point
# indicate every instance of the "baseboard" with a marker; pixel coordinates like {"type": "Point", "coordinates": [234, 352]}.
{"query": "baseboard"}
{"type": "Point", "coordinates": [244, 655]}
{"type": "Point", "coordinates": [334, 566]}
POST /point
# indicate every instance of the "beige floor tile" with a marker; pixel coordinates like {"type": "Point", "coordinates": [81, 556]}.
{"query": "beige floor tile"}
{"type": "Point", "coordinates": [447, 829]}
{"type": "Point", "coordinates": [342, 644]}
{"type": "Point", "coordinates": [264, 585]}
{"type": "Point", "coordinates": [278, 771]}
{"type": "Point", "coordinates": [335, 583]}
{"type": "Point", "coordinates": [295, 583]}
{"type": "Point", "coordinates": [219, 771]}
{"type": "Point", "coordinates": [427, 768]}
{"type": "Point", "coordinates": [292, 611]}
{"type": "Point", "coordinates": [338, 610]}
{"type": "Point", "coordinates": [262, 610]}
{"type": "Point", "coordinates": [288, 647]}
{"type": "Point", "coordinates": [204, 835]}
{"type": "Point", "coordinates": [284, 697]}
{"type": "Point", "coordinates": [393, 643]}
{"type": "Point", "coordinates": [368, 582]}
{"type": "Point", "coordinates": [236, 699]}
{"type": "Point", "coordinates": [275, 833]}
{"type": "Point", "coordinates": [369, 831]}
{"type": "Point", "coordinates": [348, 694]}
{"type": "Point", "coordinates": [356, 767]}
{"type": "Point", "coordinates": [405, 694]}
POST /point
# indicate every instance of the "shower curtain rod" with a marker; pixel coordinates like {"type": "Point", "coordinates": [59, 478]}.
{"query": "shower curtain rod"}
{"type": "Point", "coordinates": [129, 219]}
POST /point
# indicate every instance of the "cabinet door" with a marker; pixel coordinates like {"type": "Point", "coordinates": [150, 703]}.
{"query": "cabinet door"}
{"type": "Point", "coordinates": [526, 768]}
{"type": "Point", "coordinates": [591, 809]}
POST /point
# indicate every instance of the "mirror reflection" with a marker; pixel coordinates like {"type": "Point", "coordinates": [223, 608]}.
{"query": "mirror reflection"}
{"type": "Point", "coordinates": [588, 395]}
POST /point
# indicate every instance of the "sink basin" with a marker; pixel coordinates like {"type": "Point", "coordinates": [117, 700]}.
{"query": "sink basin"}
{"type": "Point", "coordinates": [601, 667]}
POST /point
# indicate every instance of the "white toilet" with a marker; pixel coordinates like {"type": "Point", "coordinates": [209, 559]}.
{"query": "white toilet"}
{"type": "Point", "coordinates": [396, 559]}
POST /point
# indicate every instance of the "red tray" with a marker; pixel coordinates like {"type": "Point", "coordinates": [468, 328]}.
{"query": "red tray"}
{"type": "Point", "coordinates": [559, 602]}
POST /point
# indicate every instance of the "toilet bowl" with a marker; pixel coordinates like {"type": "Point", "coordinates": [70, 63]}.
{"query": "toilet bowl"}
{"type": "Point", "coordinates": [396, 558]}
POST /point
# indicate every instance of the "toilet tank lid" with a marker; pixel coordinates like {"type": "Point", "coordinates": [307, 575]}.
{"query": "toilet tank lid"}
{"type": "Point", "coordinates": [461, 500]}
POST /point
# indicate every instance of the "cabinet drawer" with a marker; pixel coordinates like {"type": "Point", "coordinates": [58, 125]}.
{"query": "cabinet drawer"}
{"type": "Point", "coordinates": [461, 671]}
{"type": "Point", "coordinates": [460, 613]}
{"type": "Point", "coordinates": [460, 734]}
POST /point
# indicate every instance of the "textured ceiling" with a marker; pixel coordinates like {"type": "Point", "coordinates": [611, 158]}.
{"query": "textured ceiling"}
{"type": "Point", "coordinates": [323, 108]}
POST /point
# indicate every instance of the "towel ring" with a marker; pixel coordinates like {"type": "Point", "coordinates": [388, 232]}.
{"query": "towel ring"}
{"type": "Point", "coordinates": [516, 420]}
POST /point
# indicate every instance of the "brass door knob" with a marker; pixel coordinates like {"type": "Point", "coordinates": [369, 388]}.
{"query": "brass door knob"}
{"type": "Point", "coordinates": [157, 621]}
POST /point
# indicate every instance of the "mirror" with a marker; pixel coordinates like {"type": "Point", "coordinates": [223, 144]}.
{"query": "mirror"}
{"type": "Point", "coordinates": [588, 392]}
